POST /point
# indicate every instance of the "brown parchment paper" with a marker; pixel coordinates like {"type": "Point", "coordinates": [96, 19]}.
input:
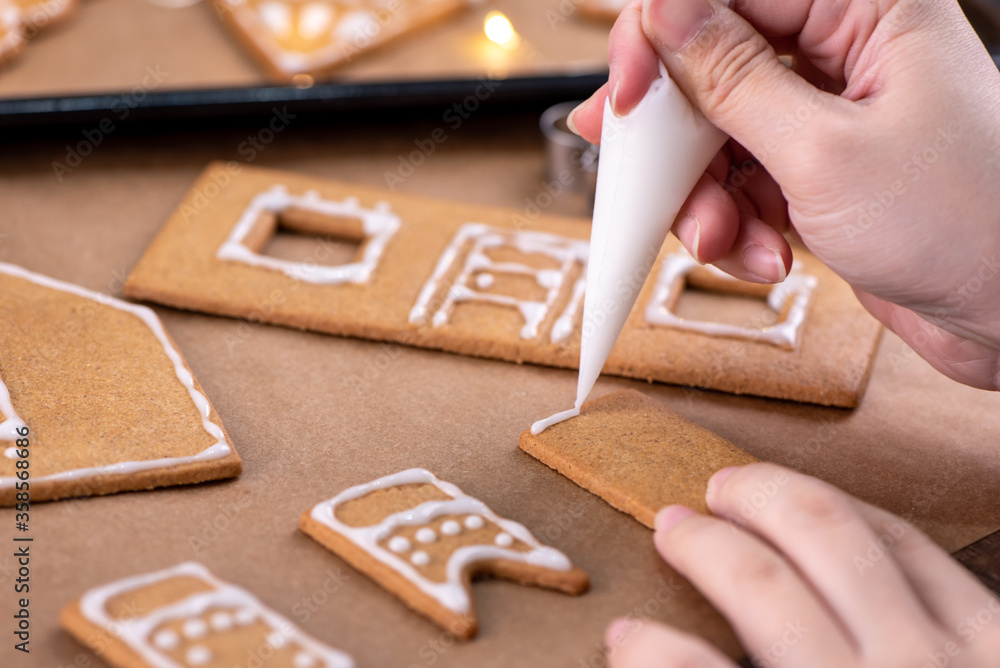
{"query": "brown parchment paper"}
{"type": "Point", "coordinates": [312, 414]}
{"type": "Point", "coordinates": [136, 46]}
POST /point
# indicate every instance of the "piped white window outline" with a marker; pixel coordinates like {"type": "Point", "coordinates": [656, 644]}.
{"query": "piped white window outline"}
{"type": "Point", "coordinates": [795, 292]}
{"type": "Point", "coordinates": [378, 225]}
{"type": "Point", "coordinates": [451, 593]}
{"type": "Point", "coordinates": [217, 450]}
{"type": "Point", "coordinates": [564, 250]}
{"type": "Point", "coordinates": [138, 632]}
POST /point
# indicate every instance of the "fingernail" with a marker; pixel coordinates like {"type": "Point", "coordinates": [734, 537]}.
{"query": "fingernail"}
{"type": "Point", "coordinates": [719, 477]}
{"type": "Point", "coordinates": [764, 263]}
{"type": "Point", "coordinates": [688, 230]}
{"type": "Point", "coordinates": [670, 517]}
{"type": "Point", "coordinates": [570, 123]}
{"type": "Point", "coordinates": [614, 84]}
{"type": "Point", "coordinates": [676, 22]}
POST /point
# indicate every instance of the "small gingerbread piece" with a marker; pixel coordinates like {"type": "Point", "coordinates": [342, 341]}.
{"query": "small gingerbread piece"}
{"type": "Point", "coordinates": [185, 617]}
{"type": "Point", "coordinates": [423, 539]}
{"type": "Point", "coordinates": [636, 455]}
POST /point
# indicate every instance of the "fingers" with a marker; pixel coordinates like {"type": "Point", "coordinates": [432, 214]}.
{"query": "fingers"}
{"type": "Point", "coordinates": [632, 63]}
{"type": "Point", "coordinates": [820, 530]}
{"type": "Point", "coordinates": [960, 358]}
{"type": "Point", "coordinates": [635, 644]}
{"type": "Point", "coordinates": [759, 253]}
{"type": "Point", "coordinates": [709, 221]}
{"type": "Point", "coordinates": [588, 118]}
{"type": "Point", "coordinates": [731, 73]}
{"type": "Point", "coordinates": [949, 591]}
{"type": "Point", "coordinates": [759, 592]}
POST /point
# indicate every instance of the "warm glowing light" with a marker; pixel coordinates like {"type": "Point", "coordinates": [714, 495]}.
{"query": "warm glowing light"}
{"type": "Point", "coordinates": [498, 28]}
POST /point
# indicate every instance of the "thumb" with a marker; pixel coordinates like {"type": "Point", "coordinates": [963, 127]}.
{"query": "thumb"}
{"type": "Point", "coordinates": [730, 71]}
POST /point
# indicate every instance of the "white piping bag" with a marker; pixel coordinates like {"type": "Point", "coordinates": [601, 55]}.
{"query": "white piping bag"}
{"type": "Point", "coordinates": [650, 161]}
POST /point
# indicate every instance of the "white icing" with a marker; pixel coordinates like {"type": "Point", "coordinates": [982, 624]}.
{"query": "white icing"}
{"type": "Point", "coordinates": [167, 639]}
{"type": "Point", "coordinates": [426, 535]}
{"type": "Point", "coordinates": [651, 159]}
{"type": "Point", "coordinates": [541, 425]}
{"type": "Point", "coordinates": [795, 291]}
{"type": "Point", "coordinates": [303, 660]}
{"type": "Point", "coordinates": [485, 281]}
{"type": "Point", "coordinates": [135, 632]}
{"type": "Point", "coordinates": [148, 317]}
{"type": "Point", "coordinates": [221, 621]}
{"type": "Point", "coordinates": [480, 238]}
{"type": "Point", "coordinates": [399, 544]}
{"type": "Point", "coordinates": [194, 628]}
{"type": "Point", "coordinates": [277, 16]}
{"type": "Point", "coordinates": [474, 522]}
{"type": "Point", "coordinates": [10, 453]}
{"type": "Point", "coordinates": [315, 19]}
{"type": "Point", "coordinates": [355, 25]}
{"type": "Point", "coordinates": [198, 655]}
{"type": "Point", "coordinates": [9, 427]}
{"type": "Point", "coordinates": [378, 225]}
{"type": "Point", "coordinates": [245, 616]}
{"type": "Point", "coordinates": [504, 539]}
{"type": "Point", "coordinates": [451, 528]}
{"type": "Point", "coordinates": [452, 592]}
{"type": "Point", "coordinates": [420, 558]}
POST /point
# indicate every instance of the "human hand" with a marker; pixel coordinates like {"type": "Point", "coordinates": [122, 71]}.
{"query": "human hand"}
{"type": "Point", "coordinates": [809, 576]}
{"type": "Point", "coordinates": [878, 149]}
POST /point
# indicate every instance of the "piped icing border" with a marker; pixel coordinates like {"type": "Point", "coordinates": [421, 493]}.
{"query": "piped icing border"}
{"type": "Point", "coordinates": [217, 450]}
{"type": "Point", "coordinates": [797, 287]}
{"type": "Point", "coordinates": [564, 250]}
{"type": "Point", "coordinates": [136, 632]}
{"type": "Point", "coordinates": [379, 225]}
{"type": "Point", "coordinates": [451, 593]}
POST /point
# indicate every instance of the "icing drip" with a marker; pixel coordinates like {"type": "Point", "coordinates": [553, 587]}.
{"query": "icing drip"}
{"type": "Point", "coordinates": [378, 224]}
{"type": "Point", "coordinates": [215, 451]}
{"type": "Point", "coordinates": [452, 592]}
{"type": "Point", "coordinates": [796, 289]}
{"type": "Point", "coordinates": [479, 269]}
{"type": "Point", "coordinates": [135, 632]}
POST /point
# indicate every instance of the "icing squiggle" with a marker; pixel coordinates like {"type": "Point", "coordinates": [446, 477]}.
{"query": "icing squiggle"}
{"type": "Point", "coordinates": [215, 451]}
{"type": "Point", "coordinates": [136, 632]}
{"type": "Point", "coordinates": [567, 252]}
{"type": "Point", "coordinates": [452, 592]}
{"type": "Point", "coordinates": [378, 225]}
{"type": "Point", "coordinates": [797, 288]}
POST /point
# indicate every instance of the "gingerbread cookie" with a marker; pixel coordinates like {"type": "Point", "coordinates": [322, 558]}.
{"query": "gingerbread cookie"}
{"type": "Point", "coordinates": [291, 37]}
{"type": "Point", "coordinates": [636, 455]}
{"type": "Point", "coordinates": [423, 539]}
{"type": "Point", "coordinates": [471, 280]}
{"type": "Point", "coordinates": [11, 32]}
{"type": "Point", "coordinates": [95, 395]}
{"type": "Point", "coordinates": [185, 617]}
{"type": "Point", "coordinates": [39, 14]}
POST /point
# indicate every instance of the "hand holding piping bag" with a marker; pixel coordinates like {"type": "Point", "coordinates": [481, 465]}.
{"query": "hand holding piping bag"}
{"type": "Point", "coordinates": [879, 149]}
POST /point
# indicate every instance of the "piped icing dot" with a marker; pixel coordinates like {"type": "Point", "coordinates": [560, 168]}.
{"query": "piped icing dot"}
{"type": "Point", "coordinates": [194, 628]}
{"type": "Point", "coordinates": [399, 544]}
{"type": "Point", "coordinates": [10, 453]}
{"type": "Point", "coordinates": [474, 522]}
{"type": "Point", "coordinates": [485, 281]}
{"type": "Point", "coordinates": [166, 639]}
{"type": "Point", "coordinates": [426, 535]}
{"type": "Point", "coordinates": [451, 528]}
{"type": "Point", "coordinates": [420, 558]}
{"type": "Point", "coordinates": [245, 616]}
{"type": "Point", "coordinates": [276, 640]}
{"type": "Point", "coordinates": [198, 655]}
{"type": "Point", "coordinates": [221, 621]}
{"type": "Point", "coordinates": [504, 539]}
{"type": "Point", "coordinates": [303, 660]}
